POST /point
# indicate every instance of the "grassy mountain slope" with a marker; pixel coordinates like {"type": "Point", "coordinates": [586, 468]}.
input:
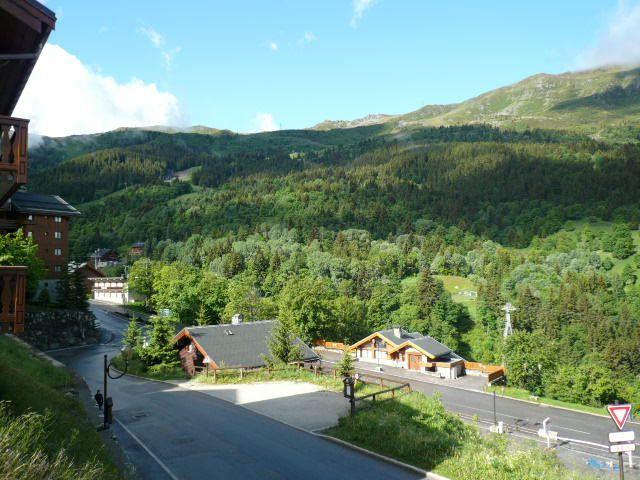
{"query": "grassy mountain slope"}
{"type": "Point", "coordinates": [604, 102]}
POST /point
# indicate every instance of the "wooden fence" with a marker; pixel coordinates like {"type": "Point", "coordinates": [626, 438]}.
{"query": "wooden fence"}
{"type": "Point", "coordinates": [331, 345]}
{"type": "Point", "coordinates": [493, 372]}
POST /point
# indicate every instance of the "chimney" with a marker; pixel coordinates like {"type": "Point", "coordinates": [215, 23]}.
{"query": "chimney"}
{"type": "Point", "coordinates": [237, 319]}
{"type": "Point", "coordinates": [397, 331]}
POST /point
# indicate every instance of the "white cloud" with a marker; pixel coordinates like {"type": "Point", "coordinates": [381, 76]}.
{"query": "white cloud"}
{"type": "Point", "coordinates": [273, 46]}
{"type": "Point", "coordinates": [619, 41]}
{"type": "Point", "coordinates": [154, 37]}
{"type": "Point", "coordinates": [309, 37]}
{"type": "Point", "coordinates": [64, 97]}
{"type": "Point", "coordinates": [168, 56]}
{"type": "Point", "coordinates": [264, 122]}
{"type": "Point", "coordinates": [359, 7]}
{"type": "Point", "coordinates": [158, 40]}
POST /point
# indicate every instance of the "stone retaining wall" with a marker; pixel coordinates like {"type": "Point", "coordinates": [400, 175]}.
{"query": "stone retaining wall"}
{"type": "Point", "coordinates": [51, 329]}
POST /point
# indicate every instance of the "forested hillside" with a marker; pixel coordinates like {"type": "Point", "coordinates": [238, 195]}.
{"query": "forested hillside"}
{"type": "Point", "coordinates": [343, 231]}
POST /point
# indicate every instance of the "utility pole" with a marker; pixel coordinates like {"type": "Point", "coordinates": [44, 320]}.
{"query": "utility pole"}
{"type": "Point", "coordinates": [106, 396]}
{"type": "Point", "coordinates": [508, 327]}
{"type": "Point", "coordinates": [495, 418]}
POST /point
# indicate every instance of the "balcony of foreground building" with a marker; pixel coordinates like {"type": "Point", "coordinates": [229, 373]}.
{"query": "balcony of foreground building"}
{"type": "Point", "coordinates": [13, 286]}
{"type": "Point", "coordinates": [14, 134]}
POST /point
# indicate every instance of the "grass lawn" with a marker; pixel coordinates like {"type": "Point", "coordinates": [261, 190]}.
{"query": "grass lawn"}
{"type": "Point", "coordinates": [525, 395]}
{"type": "Point", "coordinates": [418, 430]}
{"type": "Point", "coordinates": [30, 386]}
{"type": "Point", "coordinates": [288, 374]}
{"type": "Point", "coordinates": [293, 374]}
{"type": "Point", "coordinates": [158, 372]}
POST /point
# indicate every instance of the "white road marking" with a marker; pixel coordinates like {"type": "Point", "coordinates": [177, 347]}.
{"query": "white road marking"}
{"type": "Point", "coordinates": [572, 429]}
{"type": "Point", "coordinates": [146, 449]}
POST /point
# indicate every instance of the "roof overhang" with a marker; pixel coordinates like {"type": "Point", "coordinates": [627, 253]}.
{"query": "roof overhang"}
{"type": "Point", "coordinates": [408, 344]}
{"type": "Point", "coordinates": [185, 333]}
{"type": "Point", "coordinates": [371, 337]}
{"type": "Point", "coordinates": [25, 26]}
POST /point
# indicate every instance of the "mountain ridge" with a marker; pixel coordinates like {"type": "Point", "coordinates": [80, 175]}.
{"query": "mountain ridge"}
{"type": "Point", "coordinates": [574, 100]}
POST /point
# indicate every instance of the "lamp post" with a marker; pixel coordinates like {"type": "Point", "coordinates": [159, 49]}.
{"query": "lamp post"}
{"type": "Point", "coordinates": [106, 374]}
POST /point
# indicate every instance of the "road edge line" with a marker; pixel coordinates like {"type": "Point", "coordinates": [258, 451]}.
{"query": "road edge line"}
{"type": "Point", "coordinates": [428, 475]}
{"type": "Point", "coordinates": [146, 449]}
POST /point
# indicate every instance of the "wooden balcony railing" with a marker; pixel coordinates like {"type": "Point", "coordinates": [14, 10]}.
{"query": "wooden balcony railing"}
{"type": "Point", "coordinates": [13, 285]}
{"type": "Point", "coordinates": [14, 134]}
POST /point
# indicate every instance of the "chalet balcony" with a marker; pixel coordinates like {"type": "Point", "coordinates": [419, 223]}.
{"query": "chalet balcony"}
{"type": "Point", "coordinates": [13, 155]}
{"type": "Point", "coordinates": [13, 282]}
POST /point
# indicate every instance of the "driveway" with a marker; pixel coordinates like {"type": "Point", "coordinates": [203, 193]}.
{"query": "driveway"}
{"type": "Point", "coordinates": [303, 405]}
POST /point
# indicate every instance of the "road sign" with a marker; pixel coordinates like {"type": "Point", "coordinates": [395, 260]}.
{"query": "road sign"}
{"type": "Point", "coordinates": [622, 447]}
{"type": "Point", "coordinates": [619, 414]}
{"type": "Point", "coordinates": [628, 436]}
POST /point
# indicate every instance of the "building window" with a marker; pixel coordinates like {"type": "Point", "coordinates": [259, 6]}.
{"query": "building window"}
{"type": "Point", "coordinates": [57, 235]}
{"type": "Point", "coordinates": [58, 268]}
{"type": "Point", "coordinates": [29, 234]}
{"type": "Point", "coordinates": [58, 251]}
{"type": "Point", "coordinates": [57, 219]}
{"type": "Point", "coordinates": [30, 218]}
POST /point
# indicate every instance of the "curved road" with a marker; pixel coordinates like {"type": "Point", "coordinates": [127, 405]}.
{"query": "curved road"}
{"type": "Point", "coordinates": [174, 433]}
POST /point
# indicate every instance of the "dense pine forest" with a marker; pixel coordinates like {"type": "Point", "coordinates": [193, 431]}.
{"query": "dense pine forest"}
{"type": "Point", "coordinates": [346, 231]}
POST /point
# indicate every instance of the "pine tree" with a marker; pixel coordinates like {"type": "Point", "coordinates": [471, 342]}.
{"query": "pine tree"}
{"type": "Point", "coordinates": [133, 336]}
{"type": "Point", "coordinates": [161, 349]}
{"type": "Point", "coordinates": [345, 367]}
{"type": "Point", "coordinates": [429, 290]}
{"type": "Point", "coordinates": [64, 297]}
{"type": "Point", "coordinates": [78, 291]}
{"type": "Point", "coordinates": [282, 345]}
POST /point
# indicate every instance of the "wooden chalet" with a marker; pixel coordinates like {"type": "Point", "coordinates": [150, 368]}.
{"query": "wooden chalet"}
{"type": "Point", "coordinates": [231, 345]}
{"type": "Point", "coordinates": [410, 350]}
{"type": "Point", "coordinates": [25, 26]}
{"type": "Point", "coordinates": [137, 249]}
{"type": "Point", "coordinates": [88, 272]}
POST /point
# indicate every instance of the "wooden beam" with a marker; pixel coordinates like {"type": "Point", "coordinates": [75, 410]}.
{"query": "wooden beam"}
{"type": "Point", "coordinates": [18, 56]}
{"type": "Point", "coordinates": [25, 17]}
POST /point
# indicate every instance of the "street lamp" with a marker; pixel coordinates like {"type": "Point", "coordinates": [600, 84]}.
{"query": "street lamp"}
{"type": "Point", "coordinates": [108, 402]}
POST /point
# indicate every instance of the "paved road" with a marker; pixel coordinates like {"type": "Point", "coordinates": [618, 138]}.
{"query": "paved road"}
{"type": "Point", "coordinates": [196, 436]}
{"type": "Point", "coordinates": [525, 418]}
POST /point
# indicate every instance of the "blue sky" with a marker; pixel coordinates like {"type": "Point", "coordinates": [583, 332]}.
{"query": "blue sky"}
{"type": "Point", "coordinates": [251, 65]}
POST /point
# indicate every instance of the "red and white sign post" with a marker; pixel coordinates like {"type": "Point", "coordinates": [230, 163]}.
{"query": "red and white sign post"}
{"type": "Point", "coordinates": [621, 441]}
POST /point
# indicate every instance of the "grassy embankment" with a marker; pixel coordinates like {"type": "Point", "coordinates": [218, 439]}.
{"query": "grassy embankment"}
{"type": "Point", "coordinates": [416, 429]}
{"type": "Point", "coordinates": [44, 430]}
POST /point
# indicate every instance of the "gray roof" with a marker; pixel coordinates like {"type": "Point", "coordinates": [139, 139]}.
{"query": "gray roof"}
{"type": "Point", "coordinates": [431, 345]}
{"type": "Point", "coordinates": [404, 336]}
{"type": "Point", "coordinates": [29, 202]}
{"type": "Point", "coordinates": [246, 346]}
{"type": "Point", "coordinates": [425, 342]}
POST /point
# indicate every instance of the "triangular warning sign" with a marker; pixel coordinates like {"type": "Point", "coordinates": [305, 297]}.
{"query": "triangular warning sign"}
{"type": "Point", "coordinates": [619, 414]}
